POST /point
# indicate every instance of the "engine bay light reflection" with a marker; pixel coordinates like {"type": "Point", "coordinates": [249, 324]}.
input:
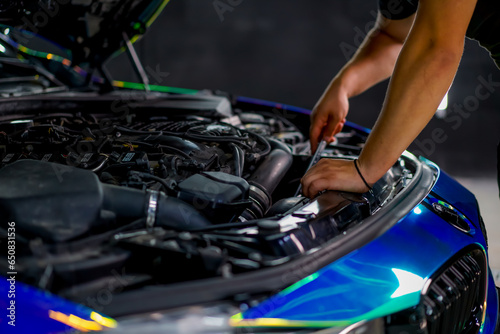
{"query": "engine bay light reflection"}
{"type": "Point", "coordinates": [96, 324]}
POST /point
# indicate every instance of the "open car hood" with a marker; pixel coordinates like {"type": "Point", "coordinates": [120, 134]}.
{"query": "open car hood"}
{"type": "Point", "coordinates": [90, 30]}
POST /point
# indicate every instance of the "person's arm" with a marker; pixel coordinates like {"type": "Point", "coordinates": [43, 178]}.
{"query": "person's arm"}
{"type": "Point", "coordinates": [423, 73]}
{"type": "Point", "coordinates": [373, 62]}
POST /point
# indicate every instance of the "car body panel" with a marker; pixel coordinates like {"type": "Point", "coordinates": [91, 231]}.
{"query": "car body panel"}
{"type": "Point", "coordinates": [47, 312]}
{"type": "Point", "coordinates": [386, 275]}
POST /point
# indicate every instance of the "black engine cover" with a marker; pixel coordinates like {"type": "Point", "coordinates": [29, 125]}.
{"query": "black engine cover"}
{"type": "Point", "coordinates": [55, 202]}
{"type": "Point", "coordinates": [220, 196]}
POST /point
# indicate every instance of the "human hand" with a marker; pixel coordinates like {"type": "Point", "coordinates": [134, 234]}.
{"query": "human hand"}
{"type": "Point", "coordinates": [328, 116]}
{"type": "Point", "coordinates": [333, 174]}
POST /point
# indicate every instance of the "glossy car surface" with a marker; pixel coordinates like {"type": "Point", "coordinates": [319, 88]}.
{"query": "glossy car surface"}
{"type": "Point", "coordinates": [135, 208]}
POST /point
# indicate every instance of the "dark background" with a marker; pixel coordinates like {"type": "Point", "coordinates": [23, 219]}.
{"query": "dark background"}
{"type": "Point", "coordinates": [287, 51]}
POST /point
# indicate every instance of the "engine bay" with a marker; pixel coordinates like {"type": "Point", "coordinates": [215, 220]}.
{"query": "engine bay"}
{"type": "Point", "coordinates": [171, 189]}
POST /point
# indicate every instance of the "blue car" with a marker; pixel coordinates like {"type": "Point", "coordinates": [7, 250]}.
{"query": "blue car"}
{"type": "Point", "coordinates": [134, 208]}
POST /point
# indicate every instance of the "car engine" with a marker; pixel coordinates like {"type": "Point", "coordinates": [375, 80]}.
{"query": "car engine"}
{"type": "Point", "coordinates": [198, 183]}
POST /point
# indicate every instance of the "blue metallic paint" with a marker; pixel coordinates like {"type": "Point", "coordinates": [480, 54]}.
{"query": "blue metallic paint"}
{"type": "Point", "coordinates": [32, 310]}
{"type": "Point", "coordinates": [359, 286]}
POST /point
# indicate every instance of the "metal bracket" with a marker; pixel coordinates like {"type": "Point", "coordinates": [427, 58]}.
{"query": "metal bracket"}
{"type": "Point", "coordinates": [136, 63]}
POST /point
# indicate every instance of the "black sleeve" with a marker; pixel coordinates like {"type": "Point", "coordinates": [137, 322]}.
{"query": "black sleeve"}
{"type": "Point", "coordinates": [397, 9]}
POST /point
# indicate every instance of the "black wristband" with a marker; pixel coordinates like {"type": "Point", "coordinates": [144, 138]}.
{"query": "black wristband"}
{"type": "Point", "coordinates": [360, 175]}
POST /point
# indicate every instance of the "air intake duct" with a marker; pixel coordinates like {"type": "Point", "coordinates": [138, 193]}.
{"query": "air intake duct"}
{"type": "Point", "coordinates": [266, 178]}
{"type": "Point", "coordinates": [60, 203]}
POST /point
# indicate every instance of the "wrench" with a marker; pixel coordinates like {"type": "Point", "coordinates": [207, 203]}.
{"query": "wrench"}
{"type": "Point", "coordinates": [315, 158]}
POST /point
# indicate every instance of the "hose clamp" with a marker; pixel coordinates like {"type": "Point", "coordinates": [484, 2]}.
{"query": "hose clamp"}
{"type": "Point", "coordinates": [152, 208]}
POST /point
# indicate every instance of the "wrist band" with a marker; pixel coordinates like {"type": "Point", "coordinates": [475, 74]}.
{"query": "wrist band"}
{"type": "Point", "coordinates": [360, 175]}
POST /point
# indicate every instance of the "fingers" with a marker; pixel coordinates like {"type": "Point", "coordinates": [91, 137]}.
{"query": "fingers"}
{"type": "Point", "coordinates": [328, 116]}
{"type": "Point", "coordinates": [311, 185]}
{"type": "Point", "coordinates": [315, 187]}
{"type": "Point", "coordinates": [315, 180]}
{"type": "Point", "coordinates": [332, 174]}
{"type": "Point", "coordinates": [317, 124]}
{"type": "Point", "coordinates": [331, 127]}
{"type": "Point", "coordinates": [339, 127]}
{"type": "Point", "coordinates": [314, 134]}
{"type": "Point", "coordinates": [325, 130]}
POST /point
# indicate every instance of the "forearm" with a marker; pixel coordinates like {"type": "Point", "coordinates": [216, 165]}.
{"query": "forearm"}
{"type": "Point", "coordinates": [372, 63]}
{"type": "Point", "coordinates": [424, 72]}
{"type": "Point", "coordinates": [375, 58]}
